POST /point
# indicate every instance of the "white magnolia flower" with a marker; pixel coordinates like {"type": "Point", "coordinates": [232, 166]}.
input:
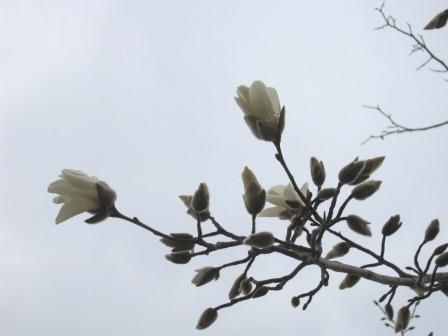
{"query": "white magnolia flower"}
{"type": "Point", "coordinates": [262, 110]}
{"type": "Point", "coordinates": [287, 202]}
{"type": "Point", "coordinates": [78, 193]}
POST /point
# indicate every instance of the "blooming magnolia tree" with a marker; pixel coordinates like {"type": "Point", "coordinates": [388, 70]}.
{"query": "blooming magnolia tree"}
{"type": "Point", "coordinates": [312, 216]}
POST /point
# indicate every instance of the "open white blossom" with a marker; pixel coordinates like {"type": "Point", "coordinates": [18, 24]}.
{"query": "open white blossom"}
{"type": "Point", "coordinates": [78, 193]}
{"type": "Point", "coordinates": [287, 202]}
{"type": "Point", "coordinates": [261, 108]}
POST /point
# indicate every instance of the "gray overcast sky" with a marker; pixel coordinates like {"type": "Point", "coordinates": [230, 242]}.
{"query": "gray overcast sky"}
{"type": "Point", "coordinates": [140, 94]}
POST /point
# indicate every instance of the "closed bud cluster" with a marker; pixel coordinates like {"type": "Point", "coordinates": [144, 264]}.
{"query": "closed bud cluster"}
{"type": "Point", "coordinates": [389, 311]}
{"type": "Point", "coordinates": [351, 172]}
{"type": "Point", "coordinates": [359, 225]}
{"type": "Point", "coordinates": [349, 281]}
{"type": "Point", "coordinates": [442, 260]}
{"type": "Point", "coordinates": [236, 287]}
{"type": "Point", "coordinates": [260, 240]}
{"type": "Point", "coordinates": [182, 257]}
{"type": "Point", "coordinates": [207, 318]}
{"type": "Point", "coordinates": [317, 171]}
{"type": "Point", "coordinates": [201, 199]}
{"type": "Point", "coordinates": [391, 226]}
{"type": "Point", "coordinates": [371, 166]}
{"type": "Point", "coordinates": [403, 318]}
{"type": "Point", "coordinates": [259, 292]}
{"type": "Point", "coordinates": [295, 301]}
{"type": "Point", "coordinates": [440, 249]}
{"type": "Point", "coordinates": [365, 190]}
{"type": "Point", "coordinates": [205, 275]}
{"type": "Point", "coordinates": [179, 242]}
{"type": "Point", "coordinates": [432, 230]}
{"type": "Point", "coordinates": [254, 195]}
{"type": "Point", "coordinates": [326, 194]}
{"type": "Point", "coordinates": [338, 250]}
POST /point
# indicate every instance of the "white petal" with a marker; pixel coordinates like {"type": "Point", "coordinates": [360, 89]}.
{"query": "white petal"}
{"type": "Point", "coordinates": [260, 102]}
{"type": "Point", "coordinates": [271, 212]}
{"type": "Point", "coordinates": [60, 199]}
{"type": "Point", "coordinates": [276, 200]}
{"type": "Point", "coordinates": [277, 190]}
{"type": "Point", "coordinates": [243, 93]}
{"type": "Point", "coordinates": [78, 180]}
{"type": "Point", "coordinates": [275, 102]}
{"type": "Point", "coordinates": [290, 194]}
{"type": "Point", "coordinates": [304, 189]}
{"type": "Point", "coordinates": [244, 106]}
{"type": "Point", "coordinates": [64, 188]}
{"type": "Point", "coordinates": [75, 207]}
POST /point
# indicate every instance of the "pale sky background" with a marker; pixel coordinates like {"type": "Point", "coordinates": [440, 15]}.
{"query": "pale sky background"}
{"type": "Point", "coordinates": [140, 94]}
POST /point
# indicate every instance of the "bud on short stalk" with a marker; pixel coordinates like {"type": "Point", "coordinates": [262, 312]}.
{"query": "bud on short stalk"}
{"type": "Point", "coordinates": [365, 190]}
{"type": "Point", "coordinates": [236, 287]}
{"type": "Point", "coordinates": [259, 292]}
{"type": "Point", "coordinates": [350, 172]}
{"type": "Point", "coordinates": [254, 195]}
{"type": "Point", "coordinates": [260, 240]}
{"type": "Point", "coordinates": [389, 311]}
{"type": "Point", "coordinates": [182, 257]}
{"type": "Point", "coordinates": [326, 194]}
{"type": "Point", "coordinates": [403, 318]}
{"type": "Point", "coordinates": [295, 301]}
{"type": "Point", "coordinates": [338, 250]}
{"type": "Point", "coordinates": [359, 225]}
{"type": "Point", "coordinates": [205, 275]}
{"type": "Point", "coordinates": [440, 249]}
{"type": "Point", "coordinates": [207, 318]}
{"type": "Point", "coordinates": [442, 260]}
{"type": "Point", "coordinates": [349, 281]}
{"type": "Point", "coordinates": [391, 226]}
{"type": "Point", "coordinates": [317, 171]}
{"type": "Point", "coordinates": [201, 198]}
{"type": "Point", "coordinates": [432, 230]}
{"type": "Point", "coordinates": [246, 287]}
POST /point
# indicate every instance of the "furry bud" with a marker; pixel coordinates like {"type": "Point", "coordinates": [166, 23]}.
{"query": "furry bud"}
{"type": "Point", "coordinates": [205, 275]}
{"type": "Point", "coordinates": [359, 225]}
{"type": "Point", "coordinates": [182, 257]}
{"type": "Point", "coordinates": [201, 198]}
{"type": "Point", "coordinates": [351, 172]}
{"type": "Point", "coordinates": [391, 226]}
{"type": "Point", "coordinates": [317, 171]}
{"type": "Point", "coordinates": [365, 190]}
{"type": "Point", "coordinates": [207, 318]}
{"type": "Point", "coordinates": [259, 292]}
{"type": "Point", "coordinates": [295, 301]}
{"type": "Point", "coordinates": [338, 250]}
{"type": "Point", "coordinates": [432, 230]}
{"type": "Point", "coordinates": [260, 240]}
{"type": "Point", "coordinates": [403, 318]}
{"type": "Point", "coordinates": [254, 195]}
{"type": "Point", "coordinates": [440, 249]}
{"type": "Point", "coordinates": [442, 260]}
{"type": "Point", "coordinates": [246, 287]}
{"type": "Point", "coordinates": [389, 311]}
{"type": "Point", "coordinates": [349, 281]}
{"type": "Point", "coordinates": [236, 287]}
{"type": "Point", "coordinates": [326, 194]}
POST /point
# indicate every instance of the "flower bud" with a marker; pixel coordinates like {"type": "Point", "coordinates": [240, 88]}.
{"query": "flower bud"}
{"type": "Point", "coordinates": [389, 311]}
{"type": "Point", "coordinates": [246, 286]}
{"type": "Point", "coordinates": [200, 200]}
{"type": "Point", "coordinates": [359, 225]}
{"type": "Point", "coordinates": [254, 195]}
{"type": "Point", "coordinates": [179, 242]}
{"type": "Point", "coordinates": [260, 240]}
{"type": "Point", "coordinates": [182, 257]}
{"type": "Point", "coordinates": [349, 281]}
{"type": "Point", "coordinates": [373, 164]}
{"type": "Point", "coordinates": [391, 226]}
{"type": "Point", "coordinates": [351, 172]}
{"type": "Point", "coordinates": [186, 199]}
{"type": "Point", "coordinates": [365, 190]}
{"type": "Point", "coordinates": [207, 318]}
{"type": "Point", "coordinates": [317, 171]}
{"type": "Point", "coordinates": [326, 194]}
{"type": "Point", "coordinates": [205, 275]}
{"type": "Point", "coordinates": [106, 194]}
{"type": "Point", "coordinates": [281, 124]}
{"type": "Point", "coordinates": [440, 249]}
{"type": "Point", "coordinates": [442, 260]}
{"type": "Point", "coordinates": [338, 250]}
{"type": "Point", "coordinates": [295, 301]}
{"type": "Point", "coordinates": [236, 288]}
{"type": "Point", "coordinates": [259, 292]}
{"type": "Point", "coordinates": [432, 230]}
{"type": "Point", "coordinates": [403, 318]}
